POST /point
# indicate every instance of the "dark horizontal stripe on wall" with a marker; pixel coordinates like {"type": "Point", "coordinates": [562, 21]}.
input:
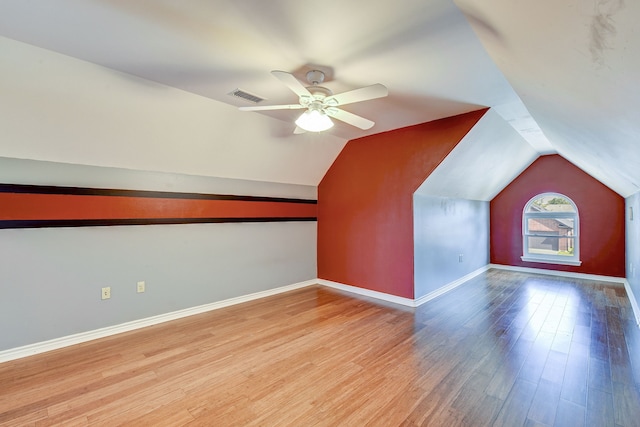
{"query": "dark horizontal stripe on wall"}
{"type": "Point", "coordinates": [139, 221]}
{"type": "Point", "coordinates": [84, 191]}
{"type": "Point", "coordinates": [33, 206]}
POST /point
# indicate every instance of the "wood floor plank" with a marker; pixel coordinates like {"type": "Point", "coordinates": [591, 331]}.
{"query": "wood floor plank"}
{"type": "Point", "coordinates": [554, 368]}
{"type": "Point", "coordinates": [434, 406]}
{"type": "Point", "coordinates": [484, 412]}
{"type": "Point", "coordinates": [505, 348]}
{"type": "Point", "coordinates": [574, 385]}
{"type": "Point", "coordinates": [600, 375]}
{"type": "Point", "coordinates": [473, 411]}
{"type": "Point", "coordinates": [600, 409]}
{"type": "Point", "coordinates": [562, 341]}
{"type": "Point", "coordinates": [620, 360]}
{"type": "Point", "coordinates": [533, 366]}
{"type": "Point", "coordinates": [626, 404]}
{"type": "Point", "coordinates": [504, 379]}
{"type": "Point", "coordinates": [545, 403]}
{"type": "Point", "coordinates": [569, 414]}
{"type": "Point", "coordinates": [632, 341]}
{"type": "Point", "coordinates": [516, 406]}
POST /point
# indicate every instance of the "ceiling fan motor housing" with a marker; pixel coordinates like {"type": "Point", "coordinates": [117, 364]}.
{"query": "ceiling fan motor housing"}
{"type": "Point", "coordinates": [318, 96]}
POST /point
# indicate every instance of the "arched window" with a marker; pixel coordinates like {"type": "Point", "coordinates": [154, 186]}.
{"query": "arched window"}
{"type": "Point", "coordinates": [550, 230]}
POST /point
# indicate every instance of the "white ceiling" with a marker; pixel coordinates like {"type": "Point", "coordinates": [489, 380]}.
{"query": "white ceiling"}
{"type": "Point", "coordinates": [483, 152]}
{"type": "Point", "coordinates": [576, 66]}
{"type": "Point", "coordinates": [564, 77]}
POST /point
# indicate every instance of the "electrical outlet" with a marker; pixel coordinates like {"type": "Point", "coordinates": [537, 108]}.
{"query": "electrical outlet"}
{"type": "Point", "coordinates": [140, 287]}
{"type": "Point", "coordinates": [106, 292]}
{"type": "Point", "coordinates": [460, 257]}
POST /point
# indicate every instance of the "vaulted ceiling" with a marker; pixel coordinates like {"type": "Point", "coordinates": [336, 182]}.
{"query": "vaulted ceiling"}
{"type": "Point", "coordinates": [564, 78]}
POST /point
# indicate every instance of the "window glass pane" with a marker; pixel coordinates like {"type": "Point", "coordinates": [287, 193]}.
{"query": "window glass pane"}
{"type": "Point", "coordinates": [551, 203]}
{"type": "Point", "coordinates": [551, 226]}
{"type": "Point", "coordinates": [551, 245]}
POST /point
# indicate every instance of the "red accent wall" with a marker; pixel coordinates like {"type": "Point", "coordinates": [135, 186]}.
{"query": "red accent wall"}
{"type": "Point", "coordinates": [601, 215]}
{"type": "Point", "coordinates": [365, 203]}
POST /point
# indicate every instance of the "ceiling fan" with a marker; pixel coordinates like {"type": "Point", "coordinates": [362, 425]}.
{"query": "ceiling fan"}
{"type": "Point", "coordinates": [321, 104]}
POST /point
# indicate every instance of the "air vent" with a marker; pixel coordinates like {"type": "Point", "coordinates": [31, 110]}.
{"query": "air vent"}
{"type": "Point", "coordinates": [238, 93]}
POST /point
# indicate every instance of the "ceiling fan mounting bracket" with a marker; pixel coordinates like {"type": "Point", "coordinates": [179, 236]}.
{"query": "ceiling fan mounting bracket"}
{"type": "Point", "coordinates": [315, 77]}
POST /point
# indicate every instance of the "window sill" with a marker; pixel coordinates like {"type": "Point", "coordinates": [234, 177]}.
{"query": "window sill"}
{"type": "Point", "coordinates": [551, 261]}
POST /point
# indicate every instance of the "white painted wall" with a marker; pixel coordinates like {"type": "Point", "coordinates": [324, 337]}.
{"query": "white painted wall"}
{"type": "Point", "coordinates": [32, 172]}
{"type": "Point", "coordinates": [632, 242]}
{"type": "Point", "coordinates": [444, 229]}
{"type": "Point", "coordinates": [50, 279]}
{"type": "Point", "coordinates": [451, 207]}
{"type": "Point", "coordinates": [61, 113]}
{"type": "Point", "coordinates": [57, 108]}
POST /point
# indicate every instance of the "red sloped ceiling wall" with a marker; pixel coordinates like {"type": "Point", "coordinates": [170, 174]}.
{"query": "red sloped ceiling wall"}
{"type": "Point", "coordinates": [601, 214]}
{"type": "Point", "coordinates": [365, 203]}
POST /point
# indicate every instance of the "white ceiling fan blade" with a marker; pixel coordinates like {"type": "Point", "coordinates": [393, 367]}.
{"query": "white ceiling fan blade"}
{"type": "Point", "coordinates": [363, 94]}
{"type": "Point", "coordinates": [291, 82]}
{"type": "Point", "coordinates": [272, 107]}
{"type": "Point", "coordinates": [350, 118]}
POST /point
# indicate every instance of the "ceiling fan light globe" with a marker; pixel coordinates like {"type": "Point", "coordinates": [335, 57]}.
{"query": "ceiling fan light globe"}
{"type": "Point", "coordinates": [314, 121]}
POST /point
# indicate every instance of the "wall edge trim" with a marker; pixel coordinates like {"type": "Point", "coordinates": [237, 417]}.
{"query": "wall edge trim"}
{"type": "Point", "coordinates": [570, 274]}
{"type": "Point", "coordinates": [69, 340]}
{"type": "Point", "coordinates": [153, 194]}
{"type": "Point", "coordinates": [633, 300]}
{"type": "Point", "coordinates": [367, 292]}
{"type": "Point", "coordinates": [74, 223]}
{"type": "Point", "coordinates": [450, 286]}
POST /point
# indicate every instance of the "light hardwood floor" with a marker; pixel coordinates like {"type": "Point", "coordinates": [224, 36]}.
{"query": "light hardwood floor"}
{"type": "Point", "coordinates": [504, 349]}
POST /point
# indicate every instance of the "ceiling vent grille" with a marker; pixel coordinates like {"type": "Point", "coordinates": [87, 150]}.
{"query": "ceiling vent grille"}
{"type": "Point", "coordinates": [239, 93]}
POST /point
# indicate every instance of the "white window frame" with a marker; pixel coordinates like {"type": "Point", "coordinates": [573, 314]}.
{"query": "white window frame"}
{"type": "Point", "coordinates": [549, 258]}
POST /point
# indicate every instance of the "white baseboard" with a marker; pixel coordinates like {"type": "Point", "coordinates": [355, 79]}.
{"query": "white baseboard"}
{"type": "Point", "coordinates": [367, 292]}
{"type": "Point", "coordinates": [569, 274]}
{"type": "Point", "coordinates": [57, 343]}
{"type": "Point", "coordinates": [450, 286]}
{"type": "Point", "coordinates": [401, 300]}
{"type": "Point", "coordinates": [634, 302]}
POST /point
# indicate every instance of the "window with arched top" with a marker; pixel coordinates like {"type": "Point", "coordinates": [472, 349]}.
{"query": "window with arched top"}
{"type": "Point", "coordinates": [550, 230]}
